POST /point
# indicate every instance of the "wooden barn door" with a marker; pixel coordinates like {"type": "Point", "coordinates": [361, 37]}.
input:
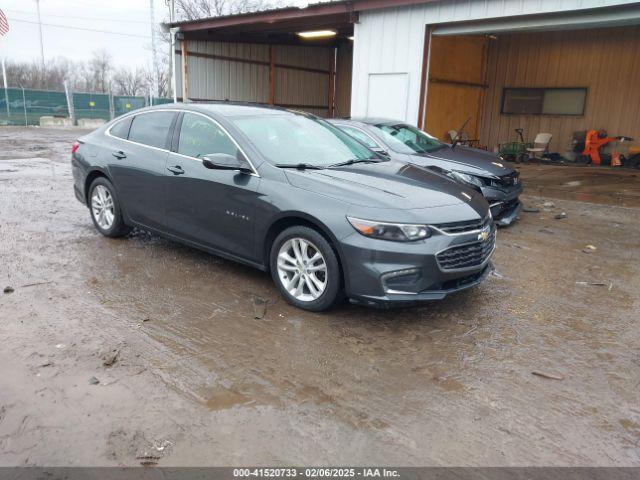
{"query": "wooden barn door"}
{"type": "Point", "coordinates": [456, 84]}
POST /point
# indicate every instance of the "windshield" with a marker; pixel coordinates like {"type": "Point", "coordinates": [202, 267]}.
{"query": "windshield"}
{"type": "Point", "coordinates": [407, 139]}
{"type": "Point", "coordinates": [294, 139]}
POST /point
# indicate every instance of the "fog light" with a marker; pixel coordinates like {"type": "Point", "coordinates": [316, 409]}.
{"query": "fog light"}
{"type": "Point", "coordinates": [400, 281]}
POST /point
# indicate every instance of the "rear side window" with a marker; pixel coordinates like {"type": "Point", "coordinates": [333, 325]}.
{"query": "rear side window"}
{"type": "Point", "coordinates": [121, 129]}
{"type": "Point", "coordinates": [359, 135]}
{"type": "Point", "coordinates": [199, 136]}
{"type": "Point", "coordinates": [151, 128]}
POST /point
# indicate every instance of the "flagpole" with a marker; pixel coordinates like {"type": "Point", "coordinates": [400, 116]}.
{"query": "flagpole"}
{"type": "Point", "coordinates": [6, 92]}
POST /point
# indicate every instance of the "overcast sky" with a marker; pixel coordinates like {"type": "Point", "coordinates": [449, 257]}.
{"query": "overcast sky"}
{"type": "Point", "coordinates": [130, 17]}
{"type": "Point", "coordinates": [87, 23]}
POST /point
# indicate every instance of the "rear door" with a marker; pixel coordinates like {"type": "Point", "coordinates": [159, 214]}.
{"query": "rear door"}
{"type": "Point", "coordinates": [214, 208]}
{"type": "Point", "coordinates": [138, 167]}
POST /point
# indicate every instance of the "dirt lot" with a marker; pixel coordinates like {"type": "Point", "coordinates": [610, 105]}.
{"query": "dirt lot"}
{"type": "Point", "coordinates": [198, 380]}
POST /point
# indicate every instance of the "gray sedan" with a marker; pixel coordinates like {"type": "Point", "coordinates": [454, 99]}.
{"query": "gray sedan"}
{"type": "Point", "coordinates": [288, 193]}
{"type": "Point", "coordinates": [481, 170]}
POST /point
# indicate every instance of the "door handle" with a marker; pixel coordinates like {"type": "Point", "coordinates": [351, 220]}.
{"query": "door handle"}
{"type": "Point", "coordinates": [176, 170]}
{"type": "Point", "coordinates": [119, 154]}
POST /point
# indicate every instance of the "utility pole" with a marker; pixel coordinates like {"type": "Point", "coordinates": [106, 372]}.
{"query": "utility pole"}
{"type": "Point", "coordinates": [154, 53]}
{"type": "Point", "coordinates": [172, 48]}
{"type": "Point", "coordinates": [70, 107]}
{"type": "Point", "coordinates": [41, 43]}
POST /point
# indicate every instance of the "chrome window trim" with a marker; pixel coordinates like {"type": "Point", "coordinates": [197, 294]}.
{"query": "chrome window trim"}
{"type": "Point", "coordinates": [178, 110]}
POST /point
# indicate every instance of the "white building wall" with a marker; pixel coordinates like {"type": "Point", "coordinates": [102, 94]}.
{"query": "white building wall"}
{"type": "Point", "coordinates": [391, 41]}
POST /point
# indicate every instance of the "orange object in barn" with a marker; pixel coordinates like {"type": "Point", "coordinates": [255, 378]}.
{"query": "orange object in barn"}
{"type": "Point", "coordinates": [594, 140]}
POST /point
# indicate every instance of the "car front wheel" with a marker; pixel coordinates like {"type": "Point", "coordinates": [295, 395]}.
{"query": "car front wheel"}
{"type": "Point", "coordinates": [305, 268]}
{"type": "Point", "coordinates": [105, 209]}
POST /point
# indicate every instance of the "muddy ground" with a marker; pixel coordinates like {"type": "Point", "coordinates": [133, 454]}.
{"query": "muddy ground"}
{"type": "Point", "coordinates": [197, 380]}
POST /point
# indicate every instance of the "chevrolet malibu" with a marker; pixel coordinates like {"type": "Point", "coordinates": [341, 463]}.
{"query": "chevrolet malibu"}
{"type": "Point", "coordinates": [288, 193]}
{"type": "Point", "coordinates": [481, 170]}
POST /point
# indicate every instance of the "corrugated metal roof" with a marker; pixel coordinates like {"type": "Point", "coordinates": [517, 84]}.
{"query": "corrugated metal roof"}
{"type": "Point", "coordinates": [310, 10]}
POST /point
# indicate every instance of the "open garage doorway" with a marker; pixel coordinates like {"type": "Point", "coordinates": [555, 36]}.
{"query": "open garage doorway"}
{"type": "Point", "coordinates": [556, 82]}
{"type": "Point", "coordinates": [567, 83]}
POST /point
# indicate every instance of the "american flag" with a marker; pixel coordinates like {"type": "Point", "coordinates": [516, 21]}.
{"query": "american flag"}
{"type": "Point", "coordinates": [4, 24]}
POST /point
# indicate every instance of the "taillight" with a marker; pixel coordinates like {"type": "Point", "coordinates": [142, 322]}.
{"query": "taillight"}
{"type": "Point", "coordinates": [75, 147]}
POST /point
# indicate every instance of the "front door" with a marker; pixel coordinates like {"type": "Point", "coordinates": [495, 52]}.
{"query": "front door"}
{"type": "Point", "coordinates": [214, 208]}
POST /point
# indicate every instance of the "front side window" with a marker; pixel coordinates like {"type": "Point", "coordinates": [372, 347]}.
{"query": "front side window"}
{"type": "Point", "coordinates": [403, 138]}
{"type": "Point", "coordinates": [151, 128]}
{"type": "Point", "coordinates": [199, 136]}
{"type": "Point", "coordinates": [291, 139]}
{"type": "Point", "coordinates": [359, 135]}
{"type": "Point", "coordinates": [121, 128]}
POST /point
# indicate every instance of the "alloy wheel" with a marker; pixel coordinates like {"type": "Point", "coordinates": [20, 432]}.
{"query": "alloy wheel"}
{"type": "Point", "coordinates": [302, 269]}
{"type": "Point", "coordinates": [102, 207]}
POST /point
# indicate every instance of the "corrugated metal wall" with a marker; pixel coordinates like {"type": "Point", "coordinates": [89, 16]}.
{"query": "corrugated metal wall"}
{"type": "Point", "coordinates": [344, 67]}
{"type": "Point", "coordinates": [607, 61]}
{"type": "Point", "coordinates": [215, 78]}
{"type": "Point", "coordinates": [391, 40]}
{"type": "Point", "coordinates": [218, 79]}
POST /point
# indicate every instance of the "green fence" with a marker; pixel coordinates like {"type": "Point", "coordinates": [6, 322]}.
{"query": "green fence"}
{"type": "Point", "coordinates": [25, 107]}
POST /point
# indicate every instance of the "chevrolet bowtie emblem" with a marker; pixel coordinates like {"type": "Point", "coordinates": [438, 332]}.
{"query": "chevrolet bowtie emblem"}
{"type": "Point", "coordinates": [483, 235]}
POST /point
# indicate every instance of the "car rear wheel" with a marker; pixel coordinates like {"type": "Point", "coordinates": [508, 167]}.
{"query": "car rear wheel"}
{"type": "Point", "coordinates": [305, 268]}
{"type": "Point", "coordinates": [105, 209]}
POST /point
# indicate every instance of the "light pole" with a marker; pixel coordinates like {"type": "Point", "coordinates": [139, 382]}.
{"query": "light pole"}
{"type": "Point", "coordinates": [40, 33]}
{"type": "Point", "coordinates": [154, 53]}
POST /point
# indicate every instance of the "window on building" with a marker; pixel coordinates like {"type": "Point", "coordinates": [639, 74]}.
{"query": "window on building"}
{"type": "Point", "coordinates": [544, 101]}
{"type": "Point", "coordinates": [151, 128]}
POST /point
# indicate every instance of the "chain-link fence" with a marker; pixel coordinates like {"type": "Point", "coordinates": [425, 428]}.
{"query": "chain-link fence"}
{"type": "Point", "coordinates": [20, 106]}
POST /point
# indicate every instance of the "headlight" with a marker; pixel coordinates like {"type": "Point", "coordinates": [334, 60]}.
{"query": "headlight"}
{"type": "Point", "coordinates": [469, 179]}
{"type": "Point", "coordinates": [398, 232]}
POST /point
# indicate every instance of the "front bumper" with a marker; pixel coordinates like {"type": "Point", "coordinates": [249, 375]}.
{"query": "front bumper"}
{"type": "Point", "coordinates": [383, 273]}
{"type": "Point", "coordinates": [506, 213]}
{"type": "Point", "coordinates": [505, 205]}
{"type": "Point", "coordinates": [438, 293]}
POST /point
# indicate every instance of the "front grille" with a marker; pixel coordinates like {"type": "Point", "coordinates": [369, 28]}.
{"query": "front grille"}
{"type": "Point", "coordinates": [468, 255]}
{"type": "Point", "coordinates": [463, 227]}
{"type": "Point", "coordinates": [508, 180]}
{"type": "Point", "coordinates": [458, 282]}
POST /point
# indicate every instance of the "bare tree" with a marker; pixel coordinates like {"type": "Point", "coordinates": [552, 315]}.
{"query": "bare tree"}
{"type": "Point", "coordinates": [100, 68]}
{"type": "Point", "coordinates": [30, 74]}
{"type": "Point", "coordinates": [129, 82]}
{"type": "Point", "coordinates": [164, 78]}
{"type": "Point", "coordinates": [193, 9]}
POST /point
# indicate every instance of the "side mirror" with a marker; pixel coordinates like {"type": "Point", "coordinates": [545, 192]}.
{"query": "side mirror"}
{"type": "Point", "coordinates": [224, 161]}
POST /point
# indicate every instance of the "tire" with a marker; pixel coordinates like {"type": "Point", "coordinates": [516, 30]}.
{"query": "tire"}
{"type": "Point", "coordinates": [297, 269]}
{"type": "Point", "coordinates": [110, 222]}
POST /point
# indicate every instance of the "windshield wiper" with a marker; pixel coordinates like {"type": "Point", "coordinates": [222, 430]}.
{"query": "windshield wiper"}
{"type": "Point", "coordinates": [299, 166]}
{"type": "Point", "coordinates": [357, 160]}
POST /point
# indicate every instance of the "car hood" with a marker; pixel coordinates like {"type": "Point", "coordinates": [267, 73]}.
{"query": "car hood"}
{"type": "Point", "coordinates": [388, 184]}
{"type": "Point", "coordinates": [472, 160]}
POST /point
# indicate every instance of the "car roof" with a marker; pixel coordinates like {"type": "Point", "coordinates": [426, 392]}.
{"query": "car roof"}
{"type": "Point", "coordinates": [367, 121]}
{"type": "Point", "coordinates": [228, 109]}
